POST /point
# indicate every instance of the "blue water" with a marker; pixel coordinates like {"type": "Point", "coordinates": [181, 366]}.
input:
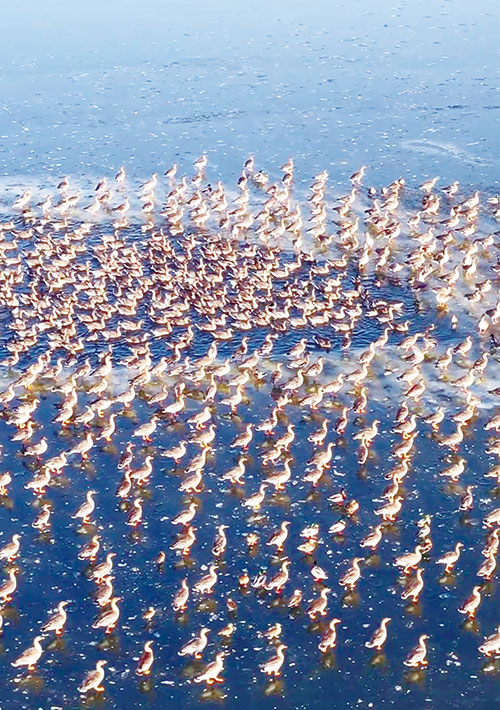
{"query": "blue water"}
{"type": "Point", "coordinates": [407, 88]}
{"type": "Point", "coordinates": [410, 90]}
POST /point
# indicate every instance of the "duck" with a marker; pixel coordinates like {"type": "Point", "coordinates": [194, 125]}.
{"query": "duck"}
{"type": "Point", "coordinates": [38, 449]}
{"type": "Point", "coordinates": [135, 515]}
{"type": "Point", "coordinates": [243, 440]}
{"type": "Point", "coordinates": [407, 427]}
{"type": "Point", "coordinates": [318, 606]}
{"type": "Point", "coordinates": [146, 660]}
{"type": "Point", "coordinates": [142, 473]}
{"type": "Point", "coordinates": [185, 516]}
{"type": "Point", "coordinates": [205, 438]}
{"type": "Point", "coordinates": [196, 645]}
{"type": "Point", "coordinates": [337, 528]}
{"type": "Point", "coordinates": [90, 550]}
{"type": "Point", "coordinates": [329, 638]}
{"type": "Point", "coordinates": [410, 560]}
{"type": "Point", "coordinates": [379, 636]}
{"type": "Point", "coordinates": [256, 499]}
{"type": "Point", "coordinates": [103, 569]}
{"type": "Point", "coordinates": [235, 474]}
{"type": "Point", "coordinates": [149, 614]}
{"type": "Point", "coordinates": [314, 399]}
{"type": "Point", "coordinates": [273, 666]}
{"type": "Point", "coordinates": [471, 604]}
{"type": "Point", "coordinates": [418, 655]}
{"type": "Point", "coordinates": [454, 471]}
{"type": "Point", "coordinates": [268, 425]}
{"type": "Point", "coordinates": [5, 480]}
{"type": "Point", "coordinates": [491, 645]}
{"type": "Point", "coordinates": [310, 531]}
{"type": "Point", "coordinates": [57, 621]}
{"type": "Point", "coordinates": [278, 538]}
{"type": "Point", "coordinates": [368, 433]}
{"type": "Point", "coordinates": [309, 546]}
{"type": "Point", "coordinates": [228, 630]}
{"type": "Point", "coordinates": [488, 567]}
{"type": "Point", "coordinates": [109, 618]}
{"type": "Point", "coordinates": [42, 520]}
{"type": "Point", "coordinates": [39, 482]}
{"type": "Point", "coordinates": [105, 591]}
{"type": "Point", "coordinates": [10, 551]}
{"type": "Point", "coordinates": [492, 518]}
{"type": "Point", "coordinates": [450, 559]}
{"type": "Point", "coordinates": [125, 486]}
{"type": "Point", "coordinates": [318, 436]}
{"type": "Point", "coordinates": [212, 671]}
{"type": "Point", "coordinates": [93, 680]}
{"type": "Point", "coordinates": [175, 407]}
{"type": "Point", "coordinates": [146, 430]}
{"type": "Point", "coordinates": [180, 600]}
{"type": "Point", "coordinates": [273, 632]}
{"type": "Point", "coordinates": [272, 455]}
{"type": "Point", "coordinates": [201, 418]}
{"type": "Point", "coordinates": [435, 418]}
{"type": "Point", "coordinates": [23, 200]}
{"type": "Point", "coordinates": [350, 578]}
{"type": "Point", "coordinates": [492, 543]}
{"type": "Point", "coordinates": [413, 589]}
{"type": "Point", "coordinates": [373, 538]}
{"type": "Point", "coordinates": [86, 509]}
{"type": "Point", "coordinates": [206, 584]}
{"type": "Point", "coordinates": [279, 580]}
{"type": "Point", "coordinates": [127, 457]}
{"type": "Point", "coordinates": [390, 510]}
{"type": "Point", "coordinates": [176, 452]}
{"type": "Point", "coordinates": [8, 587]}
{"type": "Point", "coordinates": [339, 498]}
{"type": "Point", "coordinates": [318, 573]}
{"type": "Point", "coordinates": [234, 400]}
{"type": "Point", "coordinates": [340, 425]}
{"type": "Point", "coordinates": [185, 541]}
{"type": "Point", "coordinates": [297, 350]}
{"type": "Point", "coordinates": [31, 656]}
{"type": "Point", "coordinates": [220, 541]}
{"type": "Point", "coordinates": [109, 429]}
{"type": "Point", "coordinates": [295, 599]}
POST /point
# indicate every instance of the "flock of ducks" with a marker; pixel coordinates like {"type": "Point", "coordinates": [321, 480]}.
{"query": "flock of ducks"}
{"type": "Point", "coordinates": [232, 320]}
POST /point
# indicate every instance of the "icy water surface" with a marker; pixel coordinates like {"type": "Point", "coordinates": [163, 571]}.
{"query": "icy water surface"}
{"type": "Point", "coordinates": [117, 318]}
{"type": "Point", "coordinates": [405, 87]}
{"type": "Point", "coordinates": [411, 91]}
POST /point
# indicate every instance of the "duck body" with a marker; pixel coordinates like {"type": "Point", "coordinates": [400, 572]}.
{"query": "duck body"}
{"type": "Point", "coordinates": [273, 666]}
{"type": "Point", "coordinates": [93, 680]}
{"type": "Point", "coordinates": [31, 656]}
{"type": "Point", "coordinates": [197, 645]}
{"type": "Point", "coordinates": [108, 619]}
{"type": "Point", "coordinates": [57, 622]}
{"type": "Point", "coordinates": [329, 638]}
{"type": "Point", "coordinates": [212, 672]}
{"type": "Point", "coordinates": [379, 637]}
{"type": "Point", "coordinates": [418, 656]}
{"type": "Point", "coordinates": [491, 645]}
{"type": "Point", "coordinates": [146, 660]}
